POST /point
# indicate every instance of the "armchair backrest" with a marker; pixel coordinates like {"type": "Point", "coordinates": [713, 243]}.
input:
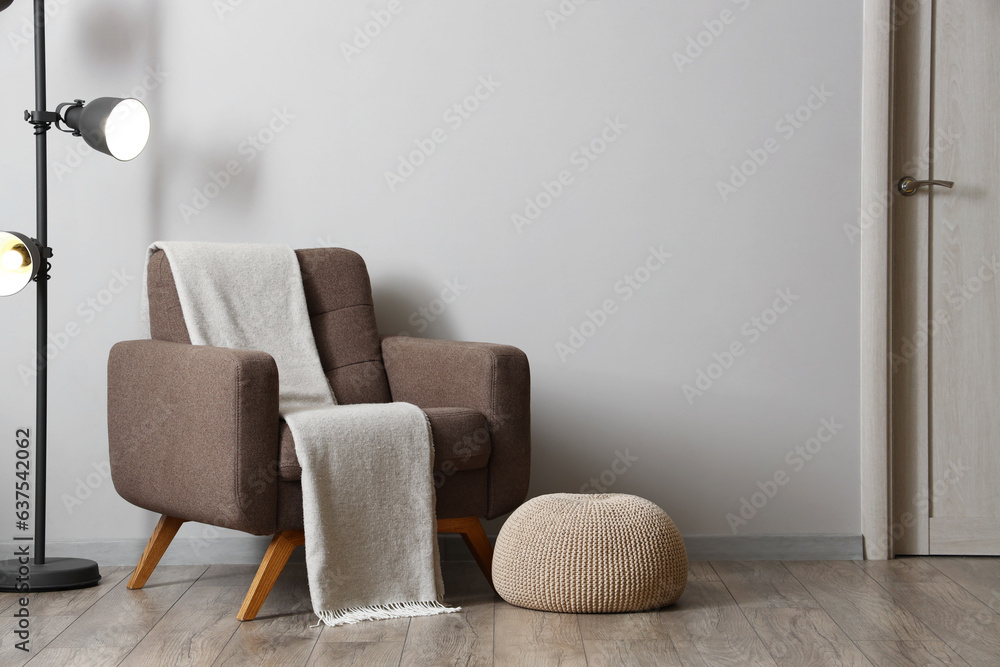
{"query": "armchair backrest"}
{"type": "Point", "coordinates": [339, 298]}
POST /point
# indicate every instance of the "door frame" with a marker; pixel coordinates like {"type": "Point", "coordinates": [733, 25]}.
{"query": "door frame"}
{"type": "Point", "coordinates": [874, 223]}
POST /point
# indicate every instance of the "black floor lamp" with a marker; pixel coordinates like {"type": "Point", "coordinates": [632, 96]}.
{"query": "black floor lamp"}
{"type": "Point", "coordinates": [119, 128]}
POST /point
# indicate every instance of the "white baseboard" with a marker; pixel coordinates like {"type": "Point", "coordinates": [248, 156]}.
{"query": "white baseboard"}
{"type": "Point", "coordinates": [249, 550]}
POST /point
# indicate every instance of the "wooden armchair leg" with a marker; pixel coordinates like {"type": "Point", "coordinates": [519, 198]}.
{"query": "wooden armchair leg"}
{"type": "Point", "coordinates": [283, 544]}
{"type": "Point", "coordinates": [471, 530]}
{"type": "Point", "coordinates": [163, 534]}
{"type": "Point", "coordinates": [281, 547]}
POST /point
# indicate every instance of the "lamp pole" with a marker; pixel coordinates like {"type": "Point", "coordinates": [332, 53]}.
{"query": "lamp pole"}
{"type": "Point", "coordinates": [46, 574]}
{"type": "Point", "coordinates": [42, 307]}
{"type": "Point", "coordinates": [123, 141]}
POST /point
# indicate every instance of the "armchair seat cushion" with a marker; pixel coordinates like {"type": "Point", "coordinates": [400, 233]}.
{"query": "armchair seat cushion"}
{"type": "Point", "coordinates": [461, 442]}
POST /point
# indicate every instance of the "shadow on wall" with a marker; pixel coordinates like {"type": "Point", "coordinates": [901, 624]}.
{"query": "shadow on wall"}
{"type": "Point", "coordinates": [115, 37]}
{"type": "Point", "coordinates": [409, 307]}
{"type": "Point", "coordinates": [154, 56]}
{"type": "Point", "coordinates": [113, 34]}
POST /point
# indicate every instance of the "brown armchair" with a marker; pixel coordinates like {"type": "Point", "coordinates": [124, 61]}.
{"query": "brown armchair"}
{"type": "Point", "coordinates": [195, 435]}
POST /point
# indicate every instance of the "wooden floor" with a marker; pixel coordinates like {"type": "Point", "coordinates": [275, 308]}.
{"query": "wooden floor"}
{"type": "Point", "coordinates": [915, 611]}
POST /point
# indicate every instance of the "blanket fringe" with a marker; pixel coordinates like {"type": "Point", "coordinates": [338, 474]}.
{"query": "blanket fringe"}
{"type": "Point", "coordinates": [381, 612]}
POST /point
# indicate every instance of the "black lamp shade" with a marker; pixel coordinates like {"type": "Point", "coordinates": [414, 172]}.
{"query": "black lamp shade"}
{"type": "Point", "coordinates": [4, 4]}
{"type": "Point", "coordinates": [19, 261]}
{"type": "Point", "coordinates": [114, 126]}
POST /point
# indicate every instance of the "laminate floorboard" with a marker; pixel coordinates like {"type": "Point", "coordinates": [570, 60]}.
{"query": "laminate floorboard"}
{"type": "Point", "coordinates": [276, 640]}
{"type": "Point", "coordinates": [460, 638]}
{"type": "Point", "coordinates": [392, 630]}
{"type": "Point", "coordinates": [708, 628]}
{"type": "Point", "coordinates": [282, 633]}
{"type": "Point", "coordinates": [905, 570]}
{"type": "Point", "coordinates": [804, 637]}
{"type": "Point", "coordinates": [79, 657]}
{"type": "Point", "coordinates": [979, 576]}
{"type": "Point", "coordinates": [362, 654]}
{"type": "Point", "coordinates": [702, 570]}
{"type": "Point", "coordinates": [863, 609]}
{"type": "Point", "coordinates": [7, 601]}
{"type": "Point", "coordinates": [43, 630]}
{"type": "Point", "coordinates": [763, 584]}
{"type": "Point", "coordinates": [969, 627]}
{"type": "Point", "coordinates": [200, 624]}
{"type": "Point", "coordinates": [630, 653]}
{"type": "Point", "coordinates": [612, 627]}
{"type": "Point", "coordinates": [74, 603]}
{"type": "Point", "coordinates": [523, 637]}
{"type": "Point", "coordinates": [121, 618]}
{"type": "Point", "coordinates": [50, 614]}
{"type": "Point", "coordinates": [906, 654]}
{"type": "Point", "coordinates": [913, 611]}
{"type": "Point", "coordinates": [106, 621]}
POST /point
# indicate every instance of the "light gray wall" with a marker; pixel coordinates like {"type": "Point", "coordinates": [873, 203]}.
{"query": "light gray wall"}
{"type": "Point", "coordinates": [221, 76]}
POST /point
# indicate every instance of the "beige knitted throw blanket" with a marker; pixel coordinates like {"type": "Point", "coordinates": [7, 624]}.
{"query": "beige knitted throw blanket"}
{"type": "Point", "coordinates": [367, 486]}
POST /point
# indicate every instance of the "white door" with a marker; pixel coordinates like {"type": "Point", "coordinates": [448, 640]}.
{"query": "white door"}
{"type": "Point", "coordinates": [946, 310]}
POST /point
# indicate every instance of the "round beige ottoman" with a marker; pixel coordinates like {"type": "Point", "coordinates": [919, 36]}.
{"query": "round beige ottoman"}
{"type": "Point", "coordinates": [585, 553]}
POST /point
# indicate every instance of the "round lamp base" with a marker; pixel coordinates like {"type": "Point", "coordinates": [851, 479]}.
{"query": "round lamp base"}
{"type": "Point", "coordinates": [56, 574]}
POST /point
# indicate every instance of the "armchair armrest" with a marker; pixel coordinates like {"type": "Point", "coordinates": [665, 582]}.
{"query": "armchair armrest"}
{"type": "Point", "coordinates": [193, 432]}
{"type": "Point", "coordinates": [493, 379]}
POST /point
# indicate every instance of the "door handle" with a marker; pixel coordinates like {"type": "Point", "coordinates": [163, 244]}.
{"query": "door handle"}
{"type": "Point", "coordinates": [908, 185]}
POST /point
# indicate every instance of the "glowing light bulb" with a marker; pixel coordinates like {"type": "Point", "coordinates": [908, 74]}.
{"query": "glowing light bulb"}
{"type": "Point", "coordinates": [15, 258]}
{"type": "Point", "coordinates": [19, 262]}
{"type": "Point", "coordinates": [127, 129]}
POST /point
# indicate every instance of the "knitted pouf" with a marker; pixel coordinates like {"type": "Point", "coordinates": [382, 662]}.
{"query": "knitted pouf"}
{"type": "Point", "coordinates": [583, 553]}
